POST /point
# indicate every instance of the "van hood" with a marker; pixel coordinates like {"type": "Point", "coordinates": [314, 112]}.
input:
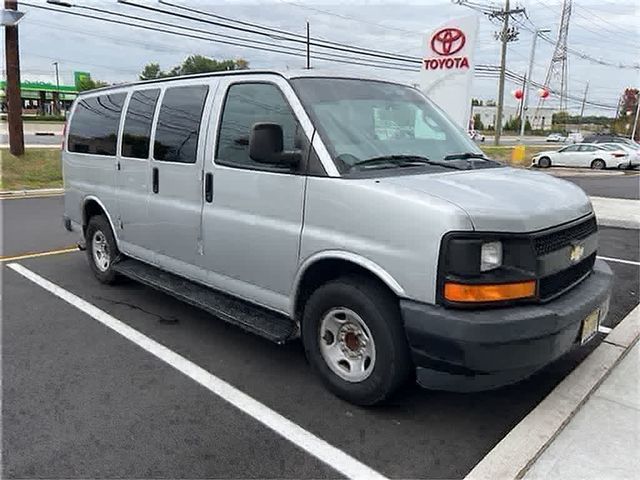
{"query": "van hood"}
{"type": "Point", "coordinates": [504, 199]}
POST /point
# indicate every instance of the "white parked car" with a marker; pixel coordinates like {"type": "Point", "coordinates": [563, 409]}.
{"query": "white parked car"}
{"type": "Point", "coordinates": [556, 137]}
{"type": "Point", "coordinates": [632, 151]}
{"type": "Point", "coordinates": [595, 156]}
{"type": "Point", "coordinates": [575, 137]}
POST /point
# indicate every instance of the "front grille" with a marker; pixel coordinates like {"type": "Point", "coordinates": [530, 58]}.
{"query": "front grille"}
{"type": "Point", "coordinates": [549, 242]}
{"type": "Point", "coordinates": [557, 283]}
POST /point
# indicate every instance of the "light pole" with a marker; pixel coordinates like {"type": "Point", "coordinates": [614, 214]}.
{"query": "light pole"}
{"type": "Point", "coordinates": [57, 88]}
{"type": "Point", "coordinates": [527, 84]}
{"type": "Point", "coordinates": [10, 18]}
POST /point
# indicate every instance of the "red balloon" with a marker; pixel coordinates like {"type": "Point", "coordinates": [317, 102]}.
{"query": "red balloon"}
{"type": "Point", "coordinates": [543, 92]}
{"type": "Point", "coordinates": [518, 94]}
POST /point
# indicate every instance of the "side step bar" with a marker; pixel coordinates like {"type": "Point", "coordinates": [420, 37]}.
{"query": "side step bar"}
{"type": "Point", "coordinates": [270, 325]}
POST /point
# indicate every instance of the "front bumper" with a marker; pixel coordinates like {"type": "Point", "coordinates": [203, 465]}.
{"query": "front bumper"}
{"type": "Point", "coordinates": [467, 350]}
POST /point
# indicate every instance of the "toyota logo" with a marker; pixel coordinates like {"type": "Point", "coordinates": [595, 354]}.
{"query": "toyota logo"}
{"type": "Point", "coordinates": [448, 41]}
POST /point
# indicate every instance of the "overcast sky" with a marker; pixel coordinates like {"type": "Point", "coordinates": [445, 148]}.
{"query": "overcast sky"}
{"type": "Point", "coordinates": [605, 29]}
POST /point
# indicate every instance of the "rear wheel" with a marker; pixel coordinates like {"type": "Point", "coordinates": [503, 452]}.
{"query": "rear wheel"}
{"type": "Point", "coordinates": [544, 162]}
{"type": "Point", "coordinates": [598, 164]}
{"type": "Point", "coordinates": [102, 251]}
{"type": "Point", "coordinates": [354, 339]}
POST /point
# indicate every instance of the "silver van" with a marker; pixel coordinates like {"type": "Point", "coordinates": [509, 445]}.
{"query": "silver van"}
{"type": "Point", "coordinates": [347, 211]}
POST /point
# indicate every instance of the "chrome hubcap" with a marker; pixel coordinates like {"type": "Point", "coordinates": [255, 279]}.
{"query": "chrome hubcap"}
{"type": "Point", "coordinates": [100, 251]}
{"type": "Point", "coordinates": [346, 345]}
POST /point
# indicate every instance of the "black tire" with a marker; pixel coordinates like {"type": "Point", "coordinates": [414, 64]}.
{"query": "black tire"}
{"type": "Point", "coordinates": [379, 310]}
{"type": "Point", "coordinates": [99, 226]}
{"type": "Point", "coordinates": [598, 164]}
{"type": "Point", "coordinates": [544, 162]}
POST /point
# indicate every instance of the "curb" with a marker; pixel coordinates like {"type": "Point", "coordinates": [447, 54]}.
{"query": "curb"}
{"type": "Point", "coordinates": [616, 212]}
{"type": "Point", "coordinates": [41, 192]}
{"type": "Point", "coordinates": [512, 457]}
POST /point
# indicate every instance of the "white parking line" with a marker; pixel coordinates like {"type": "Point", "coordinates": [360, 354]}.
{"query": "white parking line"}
{"type": "Point", "coordinates": [619, 260]}
{"type": "Point", "coordinates": [323, 451]}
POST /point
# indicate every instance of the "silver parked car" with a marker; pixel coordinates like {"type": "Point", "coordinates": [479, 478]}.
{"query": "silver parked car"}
{"type": "Point", "coordinates": [346, 211]}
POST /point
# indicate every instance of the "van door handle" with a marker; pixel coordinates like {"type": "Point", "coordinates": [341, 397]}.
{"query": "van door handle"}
{"type": "Point", "coordinates": [155, 180]}
{"type": "Point", "coordinates": [208, 187]}
{"type": "Point", "coordinates": [118, 165]}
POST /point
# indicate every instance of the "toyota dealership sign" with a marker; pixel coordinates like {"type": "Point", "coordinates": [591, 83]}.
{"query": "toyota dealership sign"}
{"type": "Point", "coordinates": [447, 67]}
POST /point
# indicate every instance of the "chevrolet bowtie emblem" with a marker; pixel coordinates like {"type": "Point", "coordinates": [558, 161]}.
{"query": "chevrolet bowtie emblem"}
{"type": "Point", "coordinates": [576, 253]}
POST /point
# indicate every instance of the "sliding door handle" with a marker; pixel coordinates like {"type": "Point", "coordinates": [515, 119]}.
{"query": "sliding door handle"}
{"type": "Point", "coordinates": [155, 180]}
{"type": "Point", "coordinates": [208, 187]}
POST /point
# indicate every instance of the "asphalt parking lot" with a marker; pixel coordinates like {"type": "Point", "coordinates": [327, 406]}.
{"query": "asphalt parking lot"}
{"type": "Point", "coordinates": [80, 400]}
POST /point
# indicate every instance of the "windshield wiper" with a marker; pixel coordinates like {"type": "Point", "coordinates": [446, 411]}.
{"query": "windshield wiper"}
{"type": "Point", "coordinates": [403, 161]}
{"type": "Point", "coordinates": [466, 156]}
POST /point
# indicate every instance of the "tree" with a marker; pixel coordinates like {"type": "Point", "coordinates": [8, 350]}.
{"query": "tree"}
{"type": "Point", "coordinates": [626, 113]}
{"type": "Point", "coordinates": [477, 122]}
{"type": "Point", "coordinates": [151, 71]}
{"type": "Point", "coordinates": [560, 118]}
{"type": "Point", "coordinates": [87, 83]}
{"type": "Point", "coordinates": [191, 65]}
{"type": "Point", "coordinates": [490, 103]}
{"type": "Point", "coordinates": [476, 102]}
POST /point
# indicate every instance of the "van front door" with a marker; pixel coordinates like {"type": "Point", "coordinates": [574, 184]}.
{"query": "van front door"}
{"type": "Point", "coordinates": [253, 218]}
{"type": "Point", "coordinates": [175, 197]}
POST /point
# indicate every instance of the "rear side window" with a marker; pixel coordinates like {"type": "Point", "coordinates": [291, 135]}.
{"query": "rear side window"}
{"type": "Point", "coordinates": [176, 138]}
{"type": "Point", "coordinates": [247, 104]}
{"type": "Point", "coordinates": [94, 125]}
{"type": "Point", "coordinates": [137, 123]}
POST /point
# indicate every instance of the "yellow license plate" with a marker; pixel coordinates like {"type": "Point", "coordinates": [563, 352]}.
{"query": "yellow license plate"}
{"type": "Point", "coordinates": [590, 327]}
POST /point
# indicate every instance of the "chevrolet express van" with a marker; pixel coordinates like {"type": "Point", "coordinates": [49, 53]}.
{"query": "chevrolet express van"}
{"type": "Point", "coordinates": [348, 212]}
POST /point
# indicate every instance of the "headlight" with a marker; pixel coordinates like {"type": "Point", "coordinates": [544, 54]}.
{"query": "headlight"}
{"type": "Point", "coordinates": [490, 256]}
{"type": "Point", "coordinates": [489, 268]}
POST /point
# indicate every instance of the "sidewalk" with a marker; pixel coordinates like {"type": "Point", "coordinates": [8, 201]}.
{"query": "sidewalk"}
{"type": "Point", "coordinates": [602, 440]}
{"type": "Point", "coordinates": [588, 427]}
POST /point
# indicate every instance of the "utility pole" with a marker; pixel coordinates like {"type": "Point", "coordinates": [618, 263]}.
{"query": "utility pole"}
{"type": "Point", "coordinates": [57, 89]}
{"type": "Point", "coordinates": [14, 102]}
{"type": "Point", "coordinates": [525, 93]}
{"type": "Point", "coordinates": [584, 100]}
{"type": "Point", "coordinates": [503, 66]}
{"type": "Point", "coordinates": [505, 36]}
{"type": "Point", "coordinates": [308, 48]}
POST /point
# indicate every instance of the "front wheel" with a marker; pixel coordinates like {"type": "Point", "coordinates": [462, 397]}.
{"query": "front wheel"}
{"type": "Point", "coordinates": [598, 164]}
{"type": "Point", "coordinates": [354, 339]}
{"type": "Point", "coordinates": [102, 251]}
{"type": "Point", "coordinates": [544, 162]}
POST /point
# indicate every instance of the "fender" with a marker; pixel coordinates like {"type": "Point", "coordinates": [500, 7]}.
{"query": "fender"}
{"type": "Point", "coordinates": [359, 260]}
{"type": "Point", "coordinates": [106, 212]}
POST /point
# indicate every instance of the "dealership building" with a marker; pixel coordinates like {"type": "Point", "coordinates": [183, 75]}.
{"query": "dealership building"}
{"type": "Point", "coordinates": [541, 121]}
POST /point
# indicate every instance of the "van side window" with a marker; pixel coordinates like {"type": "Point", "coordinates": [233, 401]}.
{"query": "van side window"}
{"type": "Point", "coordinates": [247, 104]}
{"type": "Point", "coordinates": [137, 123]}
{"type": "Point", "coordinates": [94, 124]}
{"type": "Point", "coordinates": [176, 138]}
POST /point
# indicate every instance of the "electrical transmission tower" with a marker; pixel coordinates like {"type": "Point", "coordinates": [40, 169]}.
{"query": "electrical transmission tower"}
{"type": "Point", "coordinates": [558, 67]}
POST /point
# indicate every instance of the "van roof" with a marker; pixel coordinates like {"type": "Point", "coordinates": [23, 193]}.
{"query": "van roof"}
{"type": "Point", "coordinates": [289, 74]}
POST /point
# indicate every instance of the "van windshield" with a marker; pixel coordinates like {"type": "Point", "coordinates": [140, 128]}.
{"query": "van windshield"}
{"type": "Point", "coordinates": [368, 124]}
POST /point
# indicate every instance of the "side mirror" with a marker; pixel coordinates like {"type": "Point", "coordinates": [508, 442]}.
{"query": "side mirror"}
{"type": "Point", "coordinates": [266, 145]}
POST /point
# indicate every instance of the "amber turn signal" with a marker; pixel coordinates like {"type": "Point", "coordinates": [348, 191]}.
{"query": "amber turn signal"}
{"type": "Point", "coordinates": [458, 292]}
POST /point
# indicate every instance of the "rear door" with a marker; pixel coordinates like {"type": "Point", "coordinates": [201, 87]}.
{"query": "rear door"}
{"type": "Point", "coordinates": [175, 197]}
{"type": "Point", "coordinates": [133, 176]}
{"type": "Point", "coordinates": [586, 154]}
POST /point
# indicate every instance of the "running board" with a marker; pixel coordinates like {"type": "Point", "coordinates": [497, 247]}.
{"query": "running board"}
{"type": "Point", "coordinates": [270, 325]}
